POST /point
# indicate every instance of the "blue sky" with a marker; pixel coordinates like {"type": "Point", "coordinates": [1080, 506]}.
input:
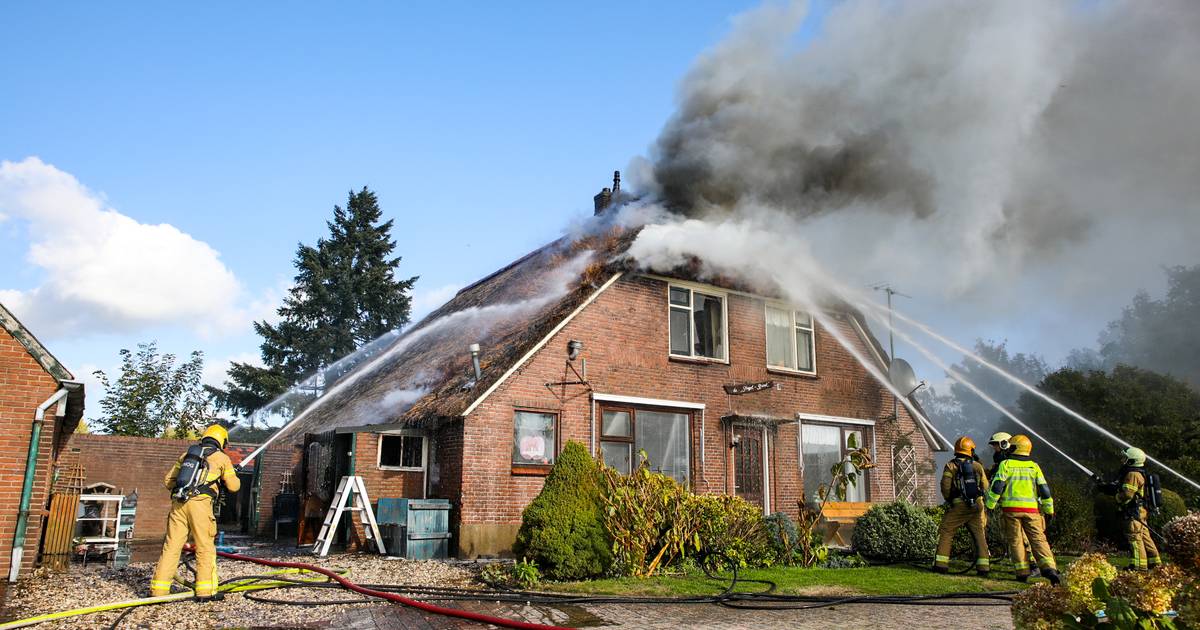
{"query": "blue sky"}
{"type": "Point", "coordinates": [484, 128]}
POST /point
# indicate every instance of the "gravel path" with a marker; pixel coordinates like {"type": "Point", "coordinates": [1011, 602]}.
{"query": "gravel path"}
{"type": "Point", "coordinates": [47, 592]}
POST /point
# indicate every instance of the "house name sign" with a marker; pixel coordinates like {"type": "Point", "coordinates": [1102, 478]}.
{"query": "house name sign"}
{"type": "Point", "coordinates": [747, 388]}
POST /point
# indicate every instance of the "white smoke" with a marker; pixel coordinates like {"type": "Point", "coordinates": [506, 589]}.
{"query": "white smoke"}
{"type": "Point", "coordinates": [997, 160]}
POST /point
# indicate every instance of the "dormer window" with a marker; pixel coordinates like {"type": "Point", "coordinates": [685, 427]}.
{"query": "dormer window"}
{"type": "Point", "coordinates": [698, 328]}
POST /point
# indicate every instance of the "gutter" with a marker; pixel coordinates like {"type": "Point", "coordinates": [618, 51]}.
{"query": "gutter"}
{"type": "Point", "coordinates": [39, 419]}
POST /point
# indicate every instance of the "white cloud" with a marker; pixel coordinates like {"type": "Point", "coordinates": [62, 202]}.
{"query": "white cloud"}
{"type": "Point", "coordinates": [425, 301]}
{"type": "Point", "coordinates": [104, 271]}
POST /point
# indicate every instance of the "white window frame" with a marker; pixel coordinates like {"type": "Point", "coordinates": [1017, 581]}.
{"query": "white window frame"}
{"type": "Point", "coordinates": [402, 433]}
{"type": "Point", "coordinates": [692, 288]}
{"type": "Point", "coordinates": [842, 423]}
{"type": "Point", "coordinates": [811, 328]}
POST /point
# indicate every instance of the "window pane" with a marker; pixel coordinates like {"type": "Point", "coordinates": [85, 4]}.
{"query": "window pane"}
{"type": "Point", "coordinates": [616, 455]}
{"type": "Point", "coordinates": [681, 297]}
{"type": "Point", "coordinates": [710, 333]}
{"type": "Point", "coordinates": [664, 438]}
{"type": "Point", "coordinates": [779, 338]}
{"type": "Point", "coordinates": [390, 449]}
{"type": "Point", "coordinates": [857, 492]}
{"type": "Point", "coordinates": [681, 334]}
{"type": "Point", "coordinates": [615, 423]}
{"type": "Point", "coordinates": [410, 455]}
{"type": "Point", "coordinates": [533, 438]}
{"type": "Point", "coordinates": [822, 446]}
{"type": "Point", "coordinates": [804, 349]}
{"type": "Point", "coordinates": [803, 319]}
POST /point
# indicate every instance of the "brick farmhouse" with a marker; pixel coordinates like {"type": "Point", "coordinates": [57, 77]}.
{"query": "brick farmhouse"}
{"type": "Point", "coordinates": [29, 378]}
{"type": "Point", "coordinates": [725, 389]}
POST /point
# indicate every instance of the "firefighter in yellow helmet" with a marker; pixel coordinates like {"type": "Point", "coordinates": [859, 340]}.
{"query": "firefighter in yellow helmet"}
{"type": "Point", "coordinates": [193, 483]}
{"type": "Point", "coordinates": [963, 483]}
{"type": "Point", "coordinates": [1136, 490]}
{"type": "Point", "coordinates": [1021, 491]}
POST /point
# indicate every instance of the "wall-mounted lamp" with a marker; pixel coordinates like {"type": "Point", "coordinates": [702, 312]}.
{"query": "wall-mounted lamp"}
{"type": "Point", "coordinates": [737, 439]}
{"type": "Point", "coordinates": [573, 349]}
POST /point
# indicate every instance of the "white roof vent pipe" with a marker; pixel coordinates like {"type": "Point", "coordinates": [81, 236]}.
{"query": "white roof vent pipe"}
{"type": "Point", "coordinates": [474, 348]}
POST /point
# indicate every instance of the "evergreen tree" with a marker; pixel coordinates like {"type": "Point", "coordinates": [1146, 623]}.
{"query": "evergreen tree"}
{"type": "Point", "coordinates": [152, 397]}
{"type": "Point", "coordinates": [345, 294]}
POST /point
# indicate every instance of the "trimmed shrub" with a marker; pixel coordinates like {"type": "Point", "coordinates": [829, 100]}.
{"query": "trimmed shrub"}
{"type": "Point", "coordinates": [1073, 528]}
{"type": "Point", "coordinates": [894, 532]}
{"type": "Point", "coordinates": [561, 530]}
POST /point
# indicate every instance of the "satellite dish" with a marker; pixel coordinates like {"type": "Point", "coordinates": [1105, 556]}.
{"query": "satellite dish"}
{"type": "Point", "coordinates": [903, 377]}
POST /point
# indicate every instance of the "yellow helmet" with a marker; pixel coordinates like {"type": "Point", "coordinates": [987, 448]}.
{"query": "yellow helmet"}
{"type": "Point", "coordinates": [1021, 445]}
{"type": "Point", "coordinates": [964, 446]}
{"type": "Point", "coordinates": [218, 433]}
{"type": "Point", "coordinates": [1001, 439]}
{"type": "Point", "coordinates": [1135, 456]}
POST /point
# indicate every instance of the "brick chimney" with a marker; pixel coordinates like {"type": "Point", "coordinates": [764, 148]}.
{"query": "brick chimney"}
{"type": "Point", "coordinates": [605, 198]}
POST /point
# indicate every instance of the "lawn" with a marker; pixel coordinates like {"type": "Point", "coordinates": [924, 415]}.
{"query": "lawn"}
{"type": "Point", "coordinates": [898, 579]}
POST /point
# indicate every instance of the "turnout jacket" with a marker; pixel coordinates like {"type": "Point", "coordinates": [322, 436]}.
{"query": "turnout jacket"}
{"type": "Point", "coordinates": [1133, 487]}
{"type": "Point", "coordinates": [1020, 486]}
{"type": "Point", "coordinates": [220, 470]}
{"type": "Point", "coordinates": [950, 473]}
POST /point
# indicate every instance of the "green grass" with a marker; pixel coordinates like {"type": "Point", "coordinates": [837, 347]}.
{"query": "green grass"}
{"type": "Point", "coordinates": [880, 580]}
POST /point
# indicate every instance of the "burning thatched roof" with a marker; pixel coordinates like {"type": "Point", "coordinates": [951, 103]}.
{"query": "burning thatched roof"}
{"type": "Point", "coordinates": [426, 373]}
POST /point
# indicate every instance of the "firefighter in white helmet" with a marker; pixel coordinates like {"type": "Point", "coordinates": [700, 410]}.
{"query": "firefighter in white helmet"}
{"type": "Point", "coordinates": [193, 483]}
{"type": "Point", "coordinates": [1138, 493]}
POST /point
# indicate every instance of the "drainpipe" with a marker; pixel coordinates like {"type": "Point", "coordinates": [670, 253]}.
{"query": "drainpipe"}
{"type": "Point", "coordinates": [39, 418]}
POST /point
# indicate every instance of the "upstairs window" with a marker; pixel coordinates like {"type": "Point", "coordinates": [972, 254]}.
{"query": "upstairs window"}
{"type": "Point", "coordinates": [790, 340]}
{"type": "Point", "coordinates": [401, 452]}
{"type": "Point", "coordinates": [697, 324]}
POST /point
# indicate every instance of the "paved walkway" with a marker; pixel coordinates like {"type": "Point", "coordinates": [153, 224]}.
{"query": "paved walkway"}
{"type": "Point", "coordinates": [686, 616]}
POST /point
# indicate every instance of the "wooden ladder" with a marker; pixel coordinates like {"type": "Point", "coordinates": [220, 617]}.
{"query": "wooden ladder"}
{"type": "Point", "coordinates": [348, 487]}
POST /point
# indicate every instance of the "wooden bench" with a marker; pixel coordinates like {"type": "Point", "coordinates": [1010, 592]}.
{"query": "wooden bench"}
{"type": "Point", "coordinates": [837, 514]}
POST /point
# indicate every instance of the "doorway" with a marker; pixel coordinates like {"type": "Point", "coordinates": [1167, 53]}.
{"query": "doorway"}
{"type": "Point", "coordinates": [750, 465]}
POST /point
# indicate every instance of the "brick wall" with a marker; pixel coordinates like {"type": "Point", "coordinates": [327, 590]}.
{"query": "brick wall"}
{"type": "Point", "coordinates": [276, 460]}
{"type": "Point", "coordinates": [23, 386]}
{"type": "Point", "coordinates": [625, 336]}
{"type": "Point", "coordinates": [131, 463]}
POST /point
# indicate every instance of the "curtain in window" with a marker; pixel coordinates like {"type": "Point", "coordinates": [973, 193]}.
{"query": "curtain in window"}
{"type": "Point", "coordinates": [664, 438]}
{"type": "Point", "coordinates": [779, 338]}
{"type": "Point", "coordinates": [822, 448]}
{"type": "Point", "coordinates": [533, 438]}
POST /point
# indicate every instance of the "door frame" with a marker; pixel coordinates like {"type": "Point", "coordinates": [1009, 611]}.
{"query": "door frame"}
{"type": "Point", "coordinates": [765, 460]}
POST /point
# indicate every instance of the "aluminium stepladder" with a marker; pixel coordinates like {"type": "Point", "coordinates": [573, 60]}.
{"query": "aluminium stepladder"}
{"type": "Point", "coordinates": [350, 485]}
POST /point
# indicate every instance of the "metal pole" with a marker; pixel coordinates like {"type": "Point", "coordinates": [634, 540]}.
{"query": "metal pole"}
{"type": "Point", "coordinates": [892, 352]}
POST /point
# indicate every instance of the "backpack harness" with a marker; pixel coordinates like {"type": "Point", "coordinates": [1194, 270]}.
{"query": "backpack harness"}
{"type": "Point", "coordinates": [966, 482]}
{"type": "Point", "coordinates": [193, 473]}
{"type": "Point", "coordinates": [1151, 496]}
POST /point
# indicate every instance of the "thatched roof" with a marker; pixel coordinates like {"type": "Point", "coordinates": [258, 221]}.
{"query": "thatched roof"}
{"type": "Point", "coordinates": [425, 374]}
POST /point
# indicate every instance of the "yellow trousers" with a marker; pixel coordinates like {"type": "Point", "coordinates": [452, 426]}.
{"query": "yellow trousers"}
{"type": "Point", "coordinates": [1141, 545]}
{"type": "Point", "coordinates": [975, 518]}
{"type": "Point", "coordinates": [189, 518]}
{"type": "Point", "coordinates": [1033, 527]}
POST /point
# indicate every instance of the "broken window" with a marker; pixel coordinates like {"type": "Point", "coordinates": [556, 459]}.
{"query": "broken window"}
{"type": "Point", "coordinates": [662, 438]}
{"type": "Point", "coordinates": [534, 437]}
{"type": "Point", "coordinates": [402, 451]}
{"type": "Point", "coordinates": [790, 340]}
{"type": "Point", "coordinates": [697, 322]}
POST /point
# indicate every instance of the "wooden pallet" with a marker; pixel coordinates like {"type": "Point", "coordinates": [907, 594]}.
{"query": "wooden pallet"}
{"type": "Point", "coordinates": [60, 525]}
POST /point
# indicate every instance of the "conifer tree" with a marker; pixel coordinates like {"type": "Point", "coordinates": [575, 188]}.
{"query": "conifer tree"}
{"type": "Point", "coordinates": [345, 294]}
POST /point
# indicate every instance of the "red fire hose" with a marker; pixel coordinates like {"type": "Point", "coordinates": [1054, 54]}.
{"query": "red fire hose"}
{"type": "Point", "coordinates": [392, 597]}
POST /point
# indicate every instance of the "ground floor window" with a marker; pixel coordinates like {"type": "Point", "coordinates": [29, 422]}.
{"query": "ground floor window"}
{"type": "Point", "coordinates": [535, 438]}
{"type": "Point", "coordinates": [405, 451]}
{"type": "Point", "coordinates": [662, 437]}
{"type": "Point", "coordinates": [823, 446]}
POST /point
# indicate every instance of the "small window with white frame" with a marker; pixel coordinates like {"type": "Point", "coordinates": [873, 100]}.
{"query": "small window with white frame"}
{"type": "Point", "coordinates": [790, 340]}
{"type": "Point", "coordinates": [401, 451]}
{"type": "Point", "coordinates": [697, 323]}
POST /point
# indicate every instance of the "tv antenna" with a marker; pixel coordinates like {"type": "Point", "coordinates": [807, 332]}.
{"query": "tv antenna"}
{"type": "Point", "coordinates": [886, 287]}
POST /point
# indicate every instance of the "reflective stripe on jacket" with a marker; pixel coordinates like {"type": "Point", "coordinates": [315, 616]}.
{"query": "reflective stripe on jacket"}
{"type": "Point", "coordinates": [1019, 486]}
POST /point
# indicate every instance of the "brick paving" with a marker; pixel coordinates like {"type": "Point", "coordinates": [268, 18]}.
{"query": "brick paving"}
{"type": "Point", "coordinates": [689, 616]}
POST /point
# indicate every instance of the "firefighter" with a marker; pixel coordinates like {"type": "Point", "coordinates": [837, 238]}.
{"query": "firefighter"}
{"type": "Point", "coordinates": [1021, 491]}
{"type": "Point", "coordinates": [193, 483]}
{"type": "Point", "coordinates": [1000, 450]}
{"type": "Point", "coordinates": [963, 481]}
{"type": "Point", "coordinates": [1136, 490]}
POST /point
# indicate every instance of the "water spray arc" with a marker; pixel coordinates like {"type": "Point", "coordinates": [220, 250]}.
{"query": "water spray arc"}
{"type": "Point", "coordinates": [1033, 390]}
{"type": "Point", "coordinates": [958, 376]}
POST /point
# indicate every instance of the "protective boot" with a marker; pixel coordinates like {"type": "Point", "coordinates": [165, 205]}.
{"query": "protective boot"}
{"type": "Point", "coordinates": [938, 569]}
{"type": "Point", "coordinates": [1052, 575]}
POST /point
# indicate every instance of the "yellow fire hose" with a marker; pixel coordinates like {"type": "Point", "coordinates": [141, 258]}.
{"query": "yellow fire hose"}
{"type": "Point", "coordinates": [239, 586]}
